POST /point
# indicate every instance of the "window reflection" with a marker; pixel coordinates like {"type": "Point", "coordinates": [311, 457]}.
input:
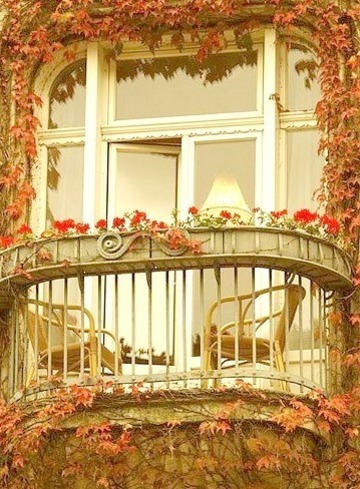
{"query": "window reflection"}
{"type": "Point", "coordinates": [67, 97]}
{"type": "Point", "coordinates": [175, 86]}
{"type": "Point", "coordinates": [145, 179]}
{"type": "Point", "coordinates": [65, 183]}
{"type": "Point", "coordinates": [304, 169]}
{"type": "Point", "coordinates": [303, 88]}
{"type": "Point", "coordinates": [235, 159]}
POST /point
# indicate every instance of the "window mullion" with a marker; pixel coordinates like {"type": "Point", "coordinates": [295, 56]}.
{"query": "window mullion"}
{"type": "Point", "coordinates": [267, 187]}
{"type": "Point", "coordinates": [186, 175]}
{"type": "Point", "coordinates": [92, 152]}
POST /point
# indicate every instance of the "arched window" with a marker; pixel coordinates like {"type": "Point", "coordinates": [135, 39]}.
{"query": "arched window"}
{"type": "Point", "coordinates": [67, 97]}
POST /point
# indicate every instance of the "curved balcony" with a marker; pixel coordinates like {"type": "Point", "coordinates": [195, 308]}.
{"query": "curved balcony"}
{"type": "Point", "coordinates": [127, 307]}
{"type": "Point", "coordinates": [246, 246]}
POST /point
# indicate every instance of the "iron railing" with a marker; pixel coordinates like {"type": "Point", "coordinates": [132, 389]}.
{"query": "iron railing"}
{"type": "Point", "coordinates": [174, 321]}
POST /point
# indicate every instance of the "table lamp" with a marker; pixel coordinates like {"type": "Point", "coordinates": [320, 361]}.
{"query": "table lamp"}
{"type": "Point", "coordinates": [225, 195]}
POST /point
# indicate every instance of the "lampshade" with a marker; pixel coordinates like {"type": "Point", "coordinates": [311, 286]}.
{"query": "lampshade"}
{"type": "Point", "coordinates": [225, 195]}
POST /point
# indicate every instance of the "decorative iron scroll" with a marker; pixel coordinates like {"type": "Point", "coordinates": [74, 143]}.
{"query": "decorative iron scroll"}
{"type": "Point", "coordinates": [110, 245]}
{"type": "Point", "coordinates": [174, 242]}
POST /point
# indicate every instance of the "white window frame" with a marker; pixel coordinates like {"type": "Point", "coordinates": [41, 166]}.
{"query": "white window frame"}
{"type": "Point", "coordinates": [116, 148]}
{"type": "Point", "coordinates": [101, 128]}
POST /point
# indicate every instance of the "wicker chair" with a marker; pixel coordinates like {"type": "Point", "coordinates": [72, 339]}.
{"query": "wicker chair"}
{"type": "Point", "coordinates": [37, 328]}
{"type": "Point", "coordinates": [283, 318]}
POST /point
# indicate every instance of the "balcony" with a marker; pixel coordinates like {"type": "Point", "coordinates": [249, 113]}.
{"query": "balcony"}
{"type": "Point", "coordinates": [253, 305]}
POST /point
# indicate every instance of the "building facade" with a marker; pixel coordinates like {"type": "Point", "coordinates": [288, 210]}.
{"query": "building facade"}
{"type": "Point", "coordinates": [175, 288]}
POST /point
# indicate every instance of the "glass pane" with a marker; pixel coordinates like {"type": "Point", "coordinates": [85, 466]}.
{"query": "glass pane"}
{"type": "Point", "coordinates": [65, 183]}
{"type": "Point", "coordinates": [234, 159]}
{"type": "Point", "coordinates": [67, 98]}
{"type": "Point", "coordinates": [303, 88]}
{"type": "Point", "coordinates": [231, 159]}
{"type": "Point", "coordinates": [174, 86]}
{"type": "Point", "coordinates": [304, 169]}
{"type": "Point", "coordinates": [146, 181]}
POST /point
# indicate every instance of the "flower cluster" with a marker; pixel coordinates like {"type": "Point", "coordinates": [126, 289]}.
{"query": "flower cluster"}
{"type": "Point", "coordinates": [69, 226]}
{"type": "Point", "coordinates": [304, 219]}
{"type": "Point", "coordinates": [6, 241]}
{"type": "Point", "coordinates": [176, 239]}
{"type": "Point", "coordinates": [313, 223]}
{"type": "Point", "coordinates": [132, 221]}
{"type": "Point", "coordinates": [137, 221]}
{"type": "Point", "coordinates": [196, 219]}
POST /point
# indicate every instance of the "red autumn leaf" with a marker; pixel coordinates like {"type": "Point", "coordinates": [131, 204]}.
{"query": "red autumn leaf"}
{"type": "Point", "coordinates": [103, 482]}
{"type": "Point", "coordinates": [18, 461]}
{"type": "Point", "coordinates": [217, 426]}
{"type": "Point", "coordinates": [173, 423]}
{"type": "Point", "coordinates": [44, 256]}
{"type": "Point", "coordinates": [268, 462]}
{"type": "Point", "coordinates": [355, 319]}
{"type": "Point", "coordinates": [352, 432]}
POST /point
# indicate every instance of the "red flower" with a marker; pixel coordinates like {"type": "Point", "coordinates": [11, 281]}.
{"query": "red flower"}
{"type": "Point", "coordinates": [162, 225]}
{"type": "Point", "coordinates": [118, 222]}
{"type": "Point", "coordinates": [6, 241]}
{"type": "Point", "coordinates": [70, 223]}
{"type": "Point", "coordinates": [138, 218]}
{"type": "Point", "coordinates": [305, 216]}
{"type": "Point", "coordinates": [101, 224]}
{"type": "Point", "coordinates": [193, 210]}
{"type": "Point", "coordinates": [278, 214]}
{"type": "Point", "coordinates": [64, 226]}
{"type": "Point", "coordinates": [82, 228]}
{"type": "Point", "coordinates": [225, 215]}
{"type": "Point", "coordinates": [158, 226]}
{"type": "Point", "coordinates": [24, 229]}
{"type": "Point", "coordinates": [331, 225]}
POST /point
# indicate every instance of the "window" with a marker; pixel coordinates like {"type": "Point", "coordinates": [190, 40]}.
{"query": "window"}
{"type": "Point", "coordinates": [214, 91]}
{"type": "Point", "coordinates": [105, 116]}
{"type": "Point", "coordinates": [152, 133]}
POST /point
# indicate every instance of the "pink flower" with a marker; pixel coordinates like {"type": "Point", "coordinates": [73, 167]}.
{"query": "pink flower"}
{"type": "Point", "coordinates": [176, 239]}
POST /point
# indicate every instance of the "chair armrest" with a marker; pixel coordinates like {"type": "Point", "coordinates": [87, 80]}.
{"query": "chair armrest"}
{"type": "Point", "coordinates": [78, 329]}
{"type": "Point", "coordinates": [240, 298]}
{"type": "Point", "coordinates": [70, 307]}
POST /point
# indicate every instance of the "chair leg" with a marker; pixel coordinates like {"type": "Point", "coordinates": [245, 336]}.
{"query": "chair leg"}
{"type": "Point", "coordinates": [208, 364]}
{"type": "Point", "coordinates": [30, 374]}
{"type": "Point", "coordinates": [206, 360]}
{"type": "Point", "coordinates": [280, 366]}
